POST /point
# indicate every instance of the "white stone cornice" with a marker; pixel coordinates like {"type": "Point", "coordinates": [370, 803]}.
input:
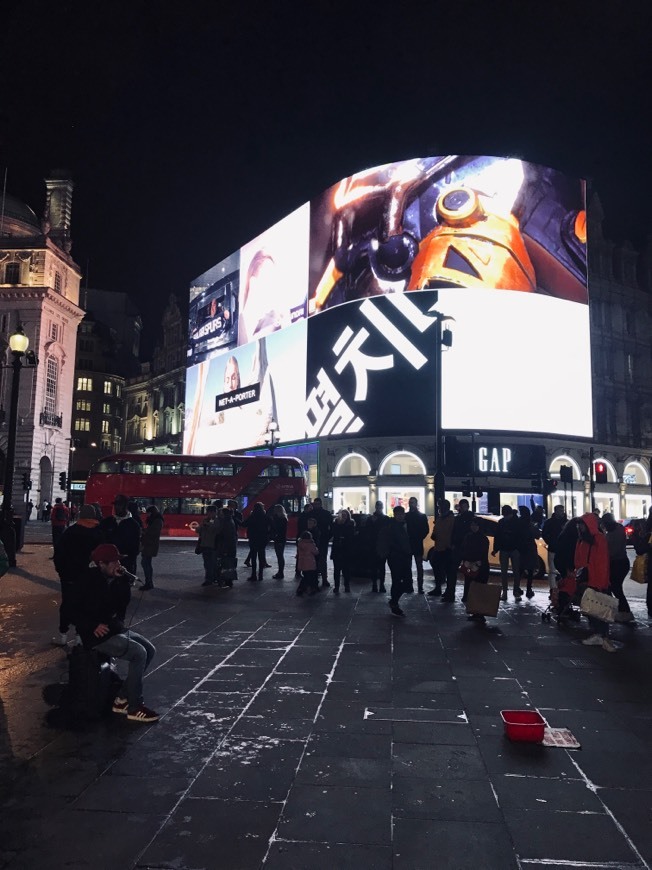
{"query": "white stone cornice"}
{"type": "Point", "coordinates": [21, 294]}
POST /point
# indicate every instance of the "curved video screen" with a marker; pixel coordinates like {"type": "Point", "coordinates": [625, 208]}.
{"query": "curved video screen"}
{"type": "Point", "coordinates": [497, 245]}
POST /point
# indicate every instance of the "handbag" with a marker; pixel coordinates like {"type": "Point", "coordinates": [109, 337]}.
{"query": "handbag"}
{"type": "Point", "coordinates": [599, 605]}
{"type": "Point", "coordinates": [198, 548]}
{"type": "Point", "coordinates": [639, 569]}
{"type": "Point", "coordinates": [470, 570]}
{"type": "Point", "coordinates": [483, 598]}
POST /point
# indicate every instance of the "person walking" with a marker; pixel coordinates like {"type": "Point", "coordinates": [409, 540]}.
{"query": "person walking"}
{"type": "Point", "coordinates": [399, 558]}
{"type": "Point", "coordinates": [227, 548]}
{"type": "Point", "coordinates": [550, 533]}
{"type": "Point", "coordinates": [279, 531]}
{"type": "Point", "coordinates": [461, 526]}
{"type": "Point", "coordinates": [529, 556]}
{"type": "Point", "coordinates": [592, 558]}
{"type": "Point", "coordinates": [257, 526]}
{"type": "Point", "coordinates": [325, 525]}
{"type": "Point", "coordinates": [149, 543]}
{"type": "Point", "coordinates": [342, 550]}
{"type": "Point", "coordinates": [475, 560]}
{"type": "Point", "coordinates": [417, 529]}
{"type": "Point", "coordinates": [59, 520]}
{"type": "Point", "coordinates": [72, 556]}
{"type": "Point", "coordinates": [618, 564]}
{"type": "Point", "coordinates": [441, 554]}
{"type": "Point", "coordinates": [208, 531]}
{"type": "Point", "coordinates": [374, 526]}
{"type": "Point", "coordinates": [507, 544]}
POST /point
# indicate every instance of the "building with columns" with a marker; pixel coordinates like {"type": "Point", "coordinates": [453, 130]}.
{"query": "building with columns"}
{"type": "Point", "coordinates": [39, 289]}
{"type": "Point", "coordinates": [154, 398]}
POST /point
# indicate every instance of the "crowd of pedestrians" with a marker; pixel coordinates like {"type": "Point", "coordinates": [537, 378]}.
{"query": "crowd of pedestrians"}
{"type": "Point", "coordinates": [581, 552]}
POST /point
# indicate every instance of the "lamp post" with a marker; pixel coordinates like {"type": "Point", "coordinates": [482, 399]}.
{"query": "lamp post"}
{"type": "Point", "coordinates": [443, 338]}
{"type": "Point", "coordinates": [273, 436]}
{"type": "Point", "coordinates": [18, 343]}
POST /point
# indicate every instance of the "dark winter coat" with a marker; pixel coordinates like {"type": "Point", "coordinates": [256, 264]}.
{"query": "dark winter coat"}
{"type": "Point", "coordinates": [417, 529]}
{"type": "Point", "coordinates": [100, 600]}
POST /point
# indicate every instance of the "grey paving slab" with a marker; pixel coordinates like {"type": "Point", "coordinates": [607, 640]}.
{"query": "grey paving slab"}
{"type": "Point", "coordinates": [141, 795]}
{"type": "Point", "coordinates": [453, 800]}
{"type": "Point", "coordinates": [437, 762]}
{"type": "Point", "coordinates": [195, 835]}
{"type": "Point", "coordinates": [285, 854]}
{"type": "Point", "coordinates": [451, 734]}
{"type": "Point", "coordinates": [345, 771]}
{"type": "Point", "coordinates": [633, 810]}
{"type": "Point", "coordinates": [424, 844]}
{"type": "Point", "coordinates": [254, 769]}
{"type": "Point", "coordinates": [337, 815]}
{"type": "Point", "coordinates": [567, 836]}
{"type": "Point", "coordinates": [541, 793]}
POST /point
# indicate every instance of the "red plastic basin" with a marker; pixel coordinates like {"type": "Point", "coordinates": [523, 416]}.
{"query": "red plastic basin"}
{"type": "Point", "coordinates": [524, 725]}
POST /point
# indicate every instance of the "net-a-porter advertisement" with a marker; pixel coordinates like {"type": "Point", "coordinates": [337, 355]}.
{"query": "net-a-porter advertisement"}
{"type": "Point", "coordinates": [502, 241]}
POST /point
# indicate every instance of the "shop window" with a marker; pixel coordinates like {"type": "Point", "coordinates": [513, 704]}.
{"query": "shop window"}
{"type": "Point", "coordinates": [402, 463]}
{"type": "Point", "coordinates": [558, 461]}
{"type": "Point", "coordinates": [635, 474]}
{"type": "Point", "coordinates": [352, 465]}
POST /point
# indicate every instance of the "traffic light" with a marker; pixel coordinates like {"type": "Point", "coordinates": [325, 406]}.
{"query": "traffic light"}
{"type": "Point", "coordinates": [600, 472]}
{"type": "Point", "coordinates": [566, 473]}
{"type": "Point", "coordinates": [466, 488]}
{"type": "Point", "coordinates": [63, 482]}
{"type": "Point", "coordinates": [549, 485]}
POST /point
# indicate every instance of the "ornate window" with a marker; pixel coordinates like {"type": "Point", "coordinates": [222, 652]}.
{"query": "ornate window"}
{"type": "Point", "coordinates": [12, 273]}
{"type": "Point", "coordinates": [51, 384]}
{"type": "Point", "coordinates": [402, 462]}
{"type": "Point", "coordinates": [353, 464]}
{"type": "Point", "coordinates": [57, 282]}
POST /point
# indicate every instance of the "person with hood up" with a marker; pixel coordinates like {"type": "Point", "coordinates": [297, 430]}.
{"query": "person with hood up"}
{"type": "Point", "coordinates": [592, 554]}
{"type": "Point", "coordinates": [72, 556]}
{"type": "Point", "coordinates": [122, 530]}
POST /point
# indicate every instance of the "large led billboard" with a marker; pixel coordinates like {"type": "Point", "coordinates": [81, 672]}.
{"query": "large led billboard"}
{"type": "Point", "coordinates": [501, 241]}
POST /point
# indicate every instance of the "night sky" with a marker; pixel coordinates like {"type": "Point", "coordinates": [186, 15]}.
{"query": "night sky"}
{"type": "Point", "coordinates": [189, 128]}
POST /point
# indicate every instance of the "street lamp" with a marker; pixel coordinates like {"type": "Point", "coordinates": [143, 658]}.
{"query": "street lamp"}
{"type": "Point", "coordinates": [18, 343]}
{"type": "Point", "coordinates": [273, 436]}
{"type": "Point", "coordinates": [443, 338]}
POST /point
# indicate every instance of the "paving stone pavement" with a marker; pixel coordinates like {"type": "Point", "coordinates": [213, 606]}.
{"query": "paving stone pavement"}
{"type": "Point", "coordinates": [324, 733]}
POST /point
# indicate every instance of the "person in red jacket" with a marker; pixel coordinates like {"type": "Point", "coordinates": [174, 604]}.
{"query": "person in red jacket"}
{"type": "Point", "coordinates": [592, 556]}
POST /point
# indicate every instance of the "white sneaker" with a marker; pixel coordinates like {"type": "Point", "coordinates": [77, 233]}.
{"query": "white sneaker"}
{"type": "Point", "coordinates": [594, 640]}
{"type": "Point", "coordinates": [60, 640]}
{"type": "Point", "coordinates": [607, 645]}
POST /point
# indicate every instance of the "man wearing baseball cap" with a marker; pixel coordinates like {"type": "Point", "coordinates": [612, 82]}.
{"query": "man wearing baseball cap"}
{"type": "Point", "coordinates": [103, 597]}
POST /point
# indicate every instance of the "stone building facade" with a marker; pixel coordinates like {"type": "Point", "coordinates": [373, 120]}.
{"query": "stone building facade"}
{"type": "Point", "coordinates": [39, 289]}
{"type": "Point", "coordinates": [154, 399]}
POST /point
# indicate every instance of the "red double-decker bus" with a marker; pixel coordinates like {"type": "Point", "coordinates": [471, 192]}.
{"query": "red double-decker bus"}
{"type": "Point", "coordinates": [182, 487]}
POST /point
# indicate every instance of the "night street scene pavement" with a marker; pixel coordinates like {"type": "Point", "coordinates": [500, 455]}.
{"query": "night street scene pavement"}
{"type": "Point", "coordinates": [321, 732]}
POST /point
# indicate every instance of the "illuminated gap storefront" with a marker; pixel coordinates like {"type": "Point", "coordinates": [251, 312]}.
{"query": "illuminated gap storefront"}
{"type": "Point", "coordinates": [503, 471]}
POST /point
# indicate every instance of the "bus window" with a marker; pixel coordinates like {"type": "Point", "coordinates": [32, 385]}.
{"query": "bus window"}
{"type": "Point", "coordinates": [194, 469]}
{"type": "Point", "coordinates": [107, 466]}
{"type": "Point", "coordinates": [138, 468]}
{"type": "Point", "coordinates": [166, 468]}
{"type": "Point", "coordinates": [223, 469]}
{"type": "Point", "coordinates": [194, 505]}
{"type": "Point", "coordinates": [291, 505]}
{"type": "Point", "coordinates": [271, 470]}
{"type": "Point", "coordinates": [164, 505]}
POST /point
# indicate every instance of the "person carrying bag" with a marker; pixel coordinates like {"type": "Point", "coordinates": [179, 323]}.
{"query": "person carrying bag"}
{"type": "Point", "coordinates": [592, 567]}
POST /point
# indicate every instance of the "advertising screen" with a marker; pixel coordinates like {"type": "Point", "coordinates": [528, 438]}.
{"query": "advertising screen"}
{"type": "Point", "coordinates": [370, 366]}
{"type": "Point", "coordinates": [232, 398]}
{"type": "Point", "coordinates": [500, 240]}
{"type": "Point", "coordinates": [274, 276]}
{"type": "Point", "coordinates": [213, 310]}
